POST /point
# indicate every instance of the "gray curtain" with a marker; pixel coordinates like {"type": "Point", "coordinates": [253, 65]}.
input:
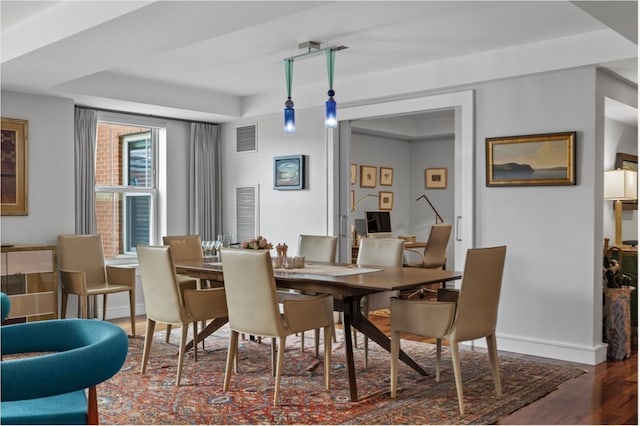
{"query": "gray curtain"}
{"type": "Point", "coordinates": [205, 189]}
{"type": "Point", "coordinates": [86, 124]}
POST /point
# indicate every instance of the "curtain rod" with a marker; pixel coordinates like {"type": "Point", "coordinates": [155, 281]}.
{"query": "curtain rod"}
{"type": "Point", "coordinates": [145, 115]}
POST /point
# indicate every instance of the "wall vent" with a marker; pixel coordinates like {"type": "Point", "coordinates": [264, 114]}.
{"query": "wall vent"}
{"type": "Point", "coordinates": [247, 212]}
{"type": "Point", "coordinates": [246, 138]}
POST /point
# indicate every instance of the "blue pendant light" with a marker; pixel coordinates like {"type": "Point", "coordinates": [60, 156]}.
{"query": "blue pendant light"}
{"type": "Point", "coordinates": [289, 112]}
{"type": "Point", "coordinates": [331, 115]}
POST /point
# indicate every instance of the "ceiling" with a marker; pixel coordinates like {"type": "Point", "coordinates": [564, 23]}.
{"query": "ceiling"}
{"type": "Point", "coordinates": [222, 60]}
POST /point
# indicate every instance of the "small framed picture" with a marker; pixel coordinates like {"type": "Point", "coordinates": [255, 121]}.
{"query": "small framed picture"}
{"type": "Point", "coordinates": [354, 172]}
{"type": "Point", "coordinates": [352, 198]}
{"type": "Point", "coordinates": [386, 176]}
{"type": "Point", "coordinates": [288, 172]}
{"type": "Point", "coordinates": [435, 178]}
{"type": "Point", "coordinates": [368, 175]}
{"type": "Point", "coordinates": [385, 201]}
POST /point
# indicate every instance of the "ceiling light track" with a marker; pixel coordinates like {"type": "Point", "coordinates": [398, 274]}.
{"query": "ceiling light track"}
{"type": "Point", "coordinates": [313, 49]}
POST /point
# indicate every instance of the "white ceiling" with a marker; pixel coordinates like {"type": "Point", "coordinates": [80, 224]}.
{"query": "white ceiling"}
{"type": "Point", "coordinates": [222, 60]}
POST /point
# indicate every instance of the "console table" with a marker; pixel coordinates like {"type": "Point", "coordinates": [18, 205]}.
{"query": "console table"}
{"type": "Point", "coordinates": [29, 276]}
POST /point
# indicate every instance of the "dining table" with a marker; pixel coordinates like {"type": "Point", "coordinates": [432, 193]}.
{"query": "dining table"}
{"type": "Point", "coordinates": [347, 283]}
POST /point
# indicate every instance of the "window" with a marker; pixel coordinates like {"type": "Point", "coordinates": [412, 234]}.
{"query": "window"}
{"type": "Point", "coordinates": [126, 187]}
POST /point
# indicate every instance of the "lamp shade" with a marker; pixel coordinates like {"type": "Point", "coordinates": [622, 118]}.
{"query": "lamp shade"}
{"type": "Point", "coordinates": [621, 185]}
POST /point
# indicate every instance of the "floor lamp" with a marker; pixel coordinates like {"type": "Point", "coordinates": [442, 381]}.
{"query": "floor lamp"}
{"type": "Point", "coordinates": [620, 185]}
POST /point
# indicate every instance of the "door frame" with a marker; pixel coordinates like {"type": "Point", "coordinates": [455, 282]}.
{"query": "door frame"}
{"type": "Point", "coordinates": [338, 145]}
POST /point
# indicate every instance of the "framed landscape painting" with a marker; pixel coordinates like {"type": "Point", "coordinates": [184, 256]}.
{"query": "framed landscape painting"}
{"type": "Point", "coordinates": [545, 159]}
{"type": "Point", "coordinates": [14, 167]}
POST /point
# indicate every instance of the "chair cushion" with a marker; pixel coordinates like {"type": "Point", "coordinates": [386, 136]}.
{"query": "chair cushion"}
{"type": "Point", "coordinates": [68, 408]}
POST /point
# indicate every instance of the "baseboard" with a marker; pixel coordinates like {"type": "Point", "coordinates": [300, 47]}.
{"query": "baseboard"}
{"type": "Point", "coordinates": [590, 355]}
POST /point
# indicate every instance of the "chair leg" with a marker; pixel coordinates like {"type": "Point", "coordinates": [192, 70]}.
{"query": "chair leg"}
{"type": "Point", "coordinates": [148, 337]}
{"type": "Point", "coordinates": [493, 360]}
{"type": "Point", "coordinates": [166, 338]}
{"type": "Point", "coordinates": [183, 344]}
{"type": "Point", "coordinates": [395, 354]}
{"type": "Point", "coordinates": [195, 341]}
{"type": "Point", "coordinates": [453, 347]}
{"type": "Point", "coordinates": [281, 346]}
{"type": "Point", "coordinates": [316, 338]}
{"type": "Point", "coordinates": [231, 356]}
{"type": "Point", "coordinates": [104, 307]}
{"type": "Point", "coordinates": [302, 341]}
{"type": "Point", "coordinates": [132, 311]}
{"type": "Point", "coordinates": [92, 406]}
{"type": "Point", "coordinates": [327, 355]}
{"type": "Point", "coordinates": [84, 306]}
{"type": "Point", "coordinates": [273, 357]}
{"type": "Point", "coordinates": [63, 308]}
{"type": "Point", "coordinates": [438, 358]}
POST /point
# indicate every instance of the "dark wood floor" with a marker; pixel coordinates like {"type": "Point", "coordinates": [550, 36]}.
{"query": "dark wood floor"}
{"type": "Point", "coordinates": [607, 394]}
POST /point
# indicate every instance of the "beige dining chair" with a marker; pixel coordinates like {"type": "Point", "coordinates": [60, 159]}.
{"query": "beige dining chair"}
{"type": "Point", "coordinates": [317, 248]}
{"type": "Point", "coordinates": [434, 254]}
{"type": "Point", "coordinates": [184, 247]}
{"type": "Point", "coordinates": [468, 314]}
{"type": "Point", "coordinates": [378, 252]}
{"type": "Point", "coordinates": [253, 309]}
{"type": "Point", "coordinates": [83, 272]}
{"type": "Point", "coordinates": [167, 303]}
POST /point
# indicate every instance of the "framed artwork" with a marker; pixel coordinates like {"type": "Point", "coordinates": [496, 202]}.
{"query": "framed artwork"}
{"type": "Point", "coordinates": [628, 162]}
{"type": "Point", "coordinates": [435, 178]}
{"type": "Point", "coordinates": [545, 159]}
{"type": "Point", "coordinates": [353, 174]}
{"type": "Point", "coordinates": [14, 167]}
{"type": "Point", "coordinates": [386, 176]}
{"type": "Point", "coordinates": [352, 198]}
{"type": "Point", "coordinates": [385, 200]}
{"type": "Point", "coordinates": [368, 175]}
{"type": "Point", "coordinates": [288, 172]}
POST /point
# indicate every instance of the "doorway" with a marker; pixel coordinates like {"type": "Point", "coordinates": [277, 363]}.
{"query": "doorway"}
{"type": "Point", "coordinates": [339, 142]}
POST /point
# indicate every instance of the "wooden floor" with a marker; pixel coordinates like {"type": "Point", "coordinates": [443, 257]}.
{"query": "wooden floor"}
{"type": "Point", "coordinates": [607, 394]}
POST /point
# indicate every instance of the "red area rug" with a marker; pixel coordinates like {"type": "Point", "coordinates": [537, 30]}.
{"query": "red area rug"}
{"type": "Point", "coordinates": [133, 398]}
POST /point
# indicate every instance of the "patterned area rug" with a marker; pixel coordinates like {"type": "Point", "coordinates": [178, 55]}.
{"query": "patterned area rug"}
{"type": "Point", "coordinates": [133, 398]}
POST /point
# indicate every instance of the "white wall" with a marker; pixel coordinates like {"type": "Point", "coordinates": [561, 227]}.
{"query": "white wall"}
{"type": "Point", "coordinates": [283, 214]}
{"type": "Point", "coordinates": [378, 151]}
{"type": "Point", "coordinates": [548, 304]}
{"type": "Point", "coordinates": [50, 171]}
{"type": "Point", "coordinates": [432, 153]}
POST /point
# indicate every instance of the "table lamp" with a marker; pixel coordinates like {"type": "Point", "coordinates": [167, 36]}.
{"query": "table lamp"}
{"type": "Point", "coordinates": [620, 185]}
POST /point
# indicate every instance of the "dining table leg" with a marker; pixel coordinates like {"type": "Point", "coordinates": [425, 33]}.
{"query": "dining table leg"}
{"type": "Point", "coordinates": [353, 316]}
{"type": "Point", "coordinates": [208, 330]}
{"type": "Point", "coordinates": [348, 347]}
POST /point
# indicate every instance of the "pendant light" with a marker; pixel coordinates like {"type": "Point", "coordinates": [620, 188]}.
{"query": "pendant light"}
{"type": "Point", "coordinates": [289, 112]}
{"type": "Point", "coordinates": [331, 117]}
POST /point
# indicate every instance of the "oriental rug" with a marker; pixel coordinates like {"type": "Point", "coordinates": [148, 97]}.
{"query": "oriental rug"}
{"type": "Point", "coordinates": [152, 398]}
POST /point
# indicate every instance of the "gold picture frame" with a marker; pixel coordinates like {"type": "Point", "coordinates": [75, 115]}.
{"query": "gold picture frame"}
{"type": "Point", "coordinates": [386, 176]}
{"type": "Point", "coordinates": [368, 175]}
{"type": "Point", "coordinates": [532, 160]}
{"type": "Point", "coordinates": [353, 174]}
{"type": "Point", "coordinates": [385, 200]}
{"type": "Point", "coordinates": [15, 188]}
{"type": "Point", "coordinates": [435, 178]}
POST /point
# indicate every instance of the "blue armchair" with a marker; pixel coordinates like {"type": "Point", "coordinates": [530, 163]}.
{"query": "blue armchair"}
{"type": "Point", "coordinates": [51, 388]}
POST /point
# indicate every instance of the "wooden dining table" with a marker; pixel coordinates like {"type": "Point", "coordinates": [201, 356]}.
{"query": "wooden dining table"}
{"type": "Point", "coordinates": [347, 283]}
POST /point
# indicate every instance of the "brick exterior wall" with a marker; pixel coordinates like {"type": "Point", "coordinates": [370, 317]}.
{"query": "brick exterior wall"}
{"type": "Point", "coordinates": [108, 167]}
